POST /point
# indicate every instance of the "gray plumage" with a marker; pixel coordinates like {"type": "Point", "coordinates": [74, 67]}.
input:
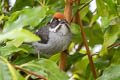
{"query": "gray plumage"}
{"type": "Point", "coordinates": [55, 38]}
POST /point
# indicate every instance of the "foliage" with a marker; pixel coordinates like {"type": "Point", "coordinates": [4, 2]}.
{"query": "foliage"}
{"type": "Point", "coordinates": [18, 22]}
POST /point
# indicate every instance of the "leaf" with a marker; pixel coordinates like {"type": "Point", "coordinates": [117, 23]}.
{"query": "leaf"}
{"type": "Point", "coordinates": [7, 50]}
{"type": "Point", "coordinates": [101, 8]}
{"type": "Point", "coordinates": [29, 16]}
{"type": "Point", "coordinates": [7, 72]}
{"type": "Point", "coordinates": [101, 63]}
{"type": "Point", "coordinates": [55, 57]}
{"type": "Point", "coordinates": [110, 36]}
{"type": "Point", "coordinates": [94, 35]}
{"type": "Point", "coordinates": [94, 18]}
{"type": "Point", "coordinates": [19, 34]}
{"type": "Point", "coordinates": [111, 73]}
{"type": "Point", "coordinates": [46, 68]}
{"type": "Point", "coordinates": [106, 21]}
{"type": "Point", "coordinates": [84, 11]}
{"type": "Point", "coordinates": [72, 59]}
{"type": "Point", "coordinates": [112, 7]}
{"type": "Point", "coordinates": [75, 29]}
{"type": "Point", "coordinates": [116, 55]}
{"type": "Point", "coordinates": [19, 4]}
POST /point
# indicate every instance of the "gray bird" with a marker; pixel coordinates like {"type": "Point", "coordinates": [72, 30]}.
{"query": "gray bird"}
{"type": "Point", "coordinates": [55, 37]}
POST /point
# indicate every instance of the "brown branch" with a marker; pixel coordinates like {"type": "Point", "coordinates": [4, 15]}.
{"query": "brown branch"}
{"type": "Point", "coordinates": [27, 71]}
{"type": "Point", "coordinates": [68, 10]}
{"type": "Point", "coordinates": [83, 6]}
{"type": "Point", "coordinates": [87, 48]}
{"type": "Point", "coordinates": [112, 46]}
{"type": "Point", "coordinates": [63, 60]}
{"type": "Point", "coordinates": [68, 14]}
{"type": "Point", "coordinates": [108, 48]}
{"type": "Point", "coordinates": [78, 20]}
{"type": "Point", "coordinates": [79, 9]}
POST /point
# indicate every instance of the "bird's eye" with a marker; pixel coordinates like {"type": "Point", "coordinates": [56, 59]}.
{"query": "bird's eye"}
{"type": "Point", "coordinates": [55, 21]}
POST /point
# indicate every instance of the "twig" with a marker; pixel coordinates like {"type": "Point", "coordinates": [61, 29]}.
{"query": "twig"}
{"type": "Point", "coordinates": [95, 54]}
{"type": "Point", "coordinates": [79, 9]}
{"type": "Point", "coordinates": [86, 43]}
{"type": "Point", "coordinates": [68, 14]}
{"type": "Point", "coordinates": [108, 48]}
{"type": "Point", "coordinates": [27, 71]}
{"type": "Point", "coordinates": [83, 6]}
{"type": "Point", "coordinates": [87, 48]}
{"type": "Point", "coordinates": [112, 46]}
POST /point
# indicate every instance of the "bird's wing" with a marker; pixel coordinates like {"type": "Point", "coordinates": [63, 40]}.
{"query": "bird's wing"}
{"type": "Point", "coordinates": [43, 33]}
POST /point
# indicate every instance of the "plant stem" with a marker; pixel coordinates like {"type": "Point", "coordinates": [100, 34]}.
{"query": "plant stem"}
{"type": "Point", "coordinates": [112, 46]}
{"type": "Point", "coordinates": [27, 71]}
{"type": "Point", "coordinates": [77, 20]}
{"type": "Point", "coordinates": [87, 47]}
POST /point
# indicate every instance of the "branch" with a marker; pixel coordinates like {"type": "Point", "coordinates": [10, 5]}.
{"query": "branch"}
{"type": "Point", "coordinates": [112, 46]}
{"type": "Point", "coordinates": [83, 6]}
{"type": "Point", "coordinates": [63, 60]}
{"type": "Point", "coordinates": [68, 10]}
{"type": "Point", "coordinates": [68, 14]}
{"type": "Point", "coordinates": [27, 71]}
{"type": "Point", "coordinates": [87, 48]}
{"type": "Point", "coordinates": [78, 20]}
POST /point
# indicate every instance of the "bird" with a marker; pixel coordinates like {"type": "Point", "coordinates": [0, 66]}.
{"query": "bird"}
{"type": "Point", "coordinates": [55, 37]}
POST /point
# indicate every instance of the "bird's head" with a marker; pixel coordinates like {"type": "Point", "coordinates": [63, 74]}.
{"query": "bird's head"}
{"type": "Point", "coordinates": [58, 21]}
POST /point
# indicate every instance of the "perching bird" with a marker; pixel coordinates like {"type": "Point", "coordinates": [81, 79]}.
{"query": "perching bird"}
{"type": "Point", "coordinates": [55, 36]}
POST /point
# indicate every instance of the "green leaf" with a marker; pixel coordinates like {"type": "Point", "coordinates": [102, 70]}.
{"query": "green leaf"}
{"type": "Point", "coordinates": [106, 21]}
{"type": "Point", "coordinates": [101, 8]}
{"type": "Point", "coordinates": [84, 11]}
{"type": "Point", "coordinates": [94, 18]}
{"type": "Point", "coordinates": [19, 4]}
{"type": "Point", "coordinates": [110, 36]}
{"type": "Point", "coordinates": [111, 73]}
{"type": "Point", "coordinates": [55, 57]}
{"type": "Point", "coordinates": [7, 72]}
{"type": "Point", "coordinates": [116, 55]}
{"type": "Point", "coordinates": [28, 16]}
{"type": "Point", "coordinates": [19, 34]}
{"type": "Point", "coordinates": [101, 63]}
{"type": "Point", "coordinates": [7, 50]}
{"type": "Point", "coordinates": [72, 59]}
{"type": "Point", "coordinates": [94, 35]}
{"type": "Point", "coordinates": [75, 29]}
{"type": "Point", "coordinates": [46, 68]}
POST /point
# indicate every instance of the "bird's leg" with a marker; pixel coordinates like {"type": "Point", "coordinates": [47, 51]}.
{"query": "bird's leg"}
{"type": "Point", "coordinates": [38, 54]}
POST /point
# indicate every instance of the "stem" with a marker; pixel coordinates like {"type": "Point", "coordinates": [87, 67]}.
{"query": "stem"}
{"type": "Point", "coordinates": [87, 48]}
{"type": "Point", "coordinates": [68, 14]}
{"type": "Point", "coordinates": [63, 60]}
{"type": "Point", "coordinates": [27, 71]}
{"type": "Point", "coordinates": [77, 20]}
{"type": "Point", "coordinates": [112, 46]}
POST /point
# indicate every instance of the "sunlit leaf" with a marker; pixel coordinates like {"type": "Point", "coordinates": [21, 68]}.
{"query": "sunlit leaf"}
{"type": "Point", "coordinates": [47, 68]}
{"type": "Point", "coordinates": [29, 16]}
{"type": "Point", "coordinates": [19, 34]}
{"type": "Point", "coordinates": [110, 36]}
{"type": "Point", "coordinates": [7, 72]}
